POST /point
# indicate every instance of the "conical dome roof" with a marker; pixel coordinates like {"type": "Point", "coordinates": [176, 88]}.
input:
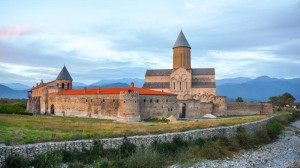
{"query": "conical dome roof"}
{"type": "Point", "coordinates": [181, 41]}
{"type": "Point", "coordinates": [64, 74]}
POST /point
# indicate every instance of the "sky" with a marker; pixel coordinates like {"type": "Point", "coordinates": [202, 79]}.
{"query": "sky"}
{"type": "Point", "coordinates": [100, 40]}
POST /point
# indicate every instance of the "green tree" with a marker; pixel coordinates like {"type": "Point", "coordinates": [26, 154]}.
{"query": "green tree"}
{"type": "Point", "coordinates": [239, 99]}
{"type": "Point", "coordinates": [288, 99]}
{"type": "Point", "coordinates": [283, 100]}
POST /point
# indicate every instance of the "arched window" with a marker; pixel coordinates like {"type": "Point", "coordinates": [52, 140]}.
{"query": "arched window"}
{"type": "Point", "coordinates": [156, 100]}
{"type": "Point", "coordinates": [180, 86]}
{"type": "Point", "coordinates": [174, 85]}
{"type": "Point", "coordinates": [63, 85]}
{"type": "Point", "coordinates": [57, 85]}
{"type": "Point", "coordinates": [68, 86]}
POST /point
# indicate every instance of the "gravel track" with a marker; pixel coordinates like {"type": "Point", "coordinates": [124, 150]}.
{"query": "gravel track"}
{"type": "Point", "coordinates": [283, 153]}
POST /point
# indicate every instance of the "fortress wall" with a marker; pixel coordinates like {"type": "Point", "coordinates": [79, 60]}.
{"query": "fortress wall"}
{"type": "Point", "coordinates": [246, 108]}
{"type": "Point", "coordinates": [196, 109]}
{"type": "Point", "coordinates": [95, 106]}
{"type": "Point", "coordinates": [220, 106]}
{"type": "Point", "coordinates": [30, 151]}
{"type": "Point", "coordinates": [129, 107]}
{"type": "Point", "coordinates": [152, 106]}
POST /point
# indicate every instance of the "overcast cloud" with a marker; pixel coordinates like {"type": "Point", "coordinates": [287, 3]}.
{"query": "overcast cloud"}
{"type": "Point", "coordinates": [121, 39]}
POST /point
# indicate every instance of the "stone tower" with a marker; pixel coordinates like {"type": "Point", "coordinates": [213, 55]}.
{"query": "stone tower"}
{"type": "Point", "coordinates": [64, 80]}
{"type": "Point", "coordinates": [129, 106]}
{"type": "Point", "coordinates": [181, 53]}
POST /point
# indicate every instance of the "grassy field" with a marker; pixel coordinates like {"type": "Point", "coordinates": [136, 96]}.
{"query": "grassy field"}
{"type": "Point", "coordinates": [22, 129]}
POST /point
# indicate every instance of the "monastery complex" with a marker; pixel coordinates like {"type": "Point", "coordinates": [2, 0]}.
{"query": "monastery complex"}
{"type": "Point", "coordinates": [181, 92]}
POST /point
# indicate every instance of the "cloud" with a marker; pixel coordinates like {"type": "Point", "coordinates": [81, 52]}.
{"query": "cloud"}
{"type": "Point", "coordinates": [13, 32]}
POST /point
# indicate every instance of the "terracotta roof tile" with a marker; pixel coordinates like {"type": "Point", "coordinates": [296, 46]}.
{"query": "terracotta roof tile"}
{"type": "Point", "coordinates": [105, 91]}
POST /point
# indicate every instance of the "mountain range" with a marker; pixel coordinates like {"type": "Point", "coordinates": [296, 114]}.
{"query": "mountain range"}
{"type": "Point", "coordinates": [258, 89]}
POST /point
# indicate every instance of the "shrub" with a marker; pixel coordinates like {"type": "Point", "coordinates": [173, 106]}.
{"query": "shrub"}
{"type": "Point", "coordinates": [15, 161]}
{"type": "Point", "coordinates": [170, 147]}
{"type": "Point", "coordinates": [284, 119]}
{"type": "Point", "coordinates": [127, 148]}
{"type": "Point", "coordinates": [162, 120]}
{"type": "Point", "coordinates": [246, 140]}
{"type": "Point", "coordinates": [213, 150]}
{"type": "Point", "coordinates": [274, 128]}
{"type": "Point", "coordinates": [145, 157]}
{"type": "Point", "coordinates": [48, 160]}
{"type": "Point", "coordinates": [179, 142]}
{"type": "Point", "coordinates": [263, 135]}
{"type": "Point", "coordinates": [296, 114]}
{"type": "Point", "coordinates": [200, 142]}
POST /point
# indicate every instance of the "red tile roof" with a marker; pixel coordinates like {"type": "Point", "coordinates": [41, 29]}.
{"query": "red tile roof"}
{"type": "Point", "coordinates": [105, 91]}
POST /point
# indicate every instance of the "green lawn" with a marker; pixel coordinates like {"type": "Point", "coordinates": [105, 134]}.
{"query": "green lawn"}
{"type": "Point", "coordinates": [22, 129]}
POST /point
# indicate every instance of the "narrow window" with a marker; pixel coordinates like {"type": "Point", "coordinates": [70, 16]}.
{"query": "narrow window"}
{"type": "Point", "coordinates": [167, 100]}
{"type": "Point", "coordinates": [150, 100]}
{"type": "Point", "coordinates": [156, 100]}
{"type": "Point", "coordinates": [124, 101]}
{"type": "Point", "coordinates": [144, 100]}
{"type": "Point", "coordinates": [185, 85]}
{"type": "Point", "coordinates": [68, 85]}
{"type": "Point", "coordinates": [180, 86]}
{"type": "Point", "coordinates": [174, 85]}
{"type": "Point", "coordinates": [63, 85]}
{"type": "Point", "coordinates": [134, 101]}
{"type": "Point", "coordinates": [103, 100]}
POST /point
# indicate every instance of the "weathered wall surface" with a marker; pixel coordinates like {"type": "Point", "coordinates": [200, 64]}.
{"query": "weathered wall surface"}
{"type": "Point", "coordinates": [129, 107]}
{"type": "Point", "coordinates": [158, 106]}
{"type": "Point", "coordinates": [195, 108]}
{"type": "Point", "coordinates": [123, 107]}
{"type": "Point", "coordinates": [245, 108]}
{"type": "Point", "coordinates": [33, 105]}
{"type": "Point", "coordinates": [30, 151]}
{"type": "Point", "coordinates": [94, 106]}
{"type": "Point", "coordinates": [220, 106]}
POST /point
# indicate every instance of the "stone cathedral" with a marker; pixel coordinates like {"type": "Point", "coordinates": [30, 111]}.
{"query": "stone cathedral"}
{"type": "Point", "coordinates": [183, 80]}
{"type": "Point", "coordinates": [181, 92]}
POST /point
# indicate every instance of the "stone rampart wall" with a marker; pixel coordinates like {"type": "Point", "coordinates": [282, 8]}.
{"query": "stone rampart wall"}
{"type": "Point", "coordinates": [246, 108]}
{"type": "Point", "coordinates": [32, 150]}
{"type": "Point", "coordinates": [152, 106]}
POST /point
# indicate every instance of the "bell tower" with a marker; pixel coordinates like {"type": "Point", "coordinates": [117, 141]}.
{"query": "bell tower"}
{"type": "Point", "coordinates": [64, 80]}
{"type": "Point", "coordinates": [181, 53]}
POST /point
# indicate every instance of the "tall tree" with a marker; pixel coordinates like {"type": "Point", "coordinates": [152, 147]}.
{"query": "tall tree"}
{"type": "Point", "coordinates": [239, 99]}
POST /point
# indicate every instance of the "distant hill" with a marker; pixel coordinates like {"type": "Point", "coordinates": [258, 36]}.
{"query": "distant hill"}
{"type": "Point", "coordinates": [16, 86]}
{"type": "Point", "coordinates": [6, 92]}
{"type": "Point", "coordinates": [259, 89]}
{"type": "Point", "coordinates": [111, 85]}
{"type": "Point", "coordinates": [137, 82]}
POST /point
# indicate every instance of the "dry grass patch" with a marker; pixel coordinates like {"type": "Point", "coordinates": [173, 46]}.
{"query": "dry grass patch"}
{"type": "Point", "coordinates": [54, 128]}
